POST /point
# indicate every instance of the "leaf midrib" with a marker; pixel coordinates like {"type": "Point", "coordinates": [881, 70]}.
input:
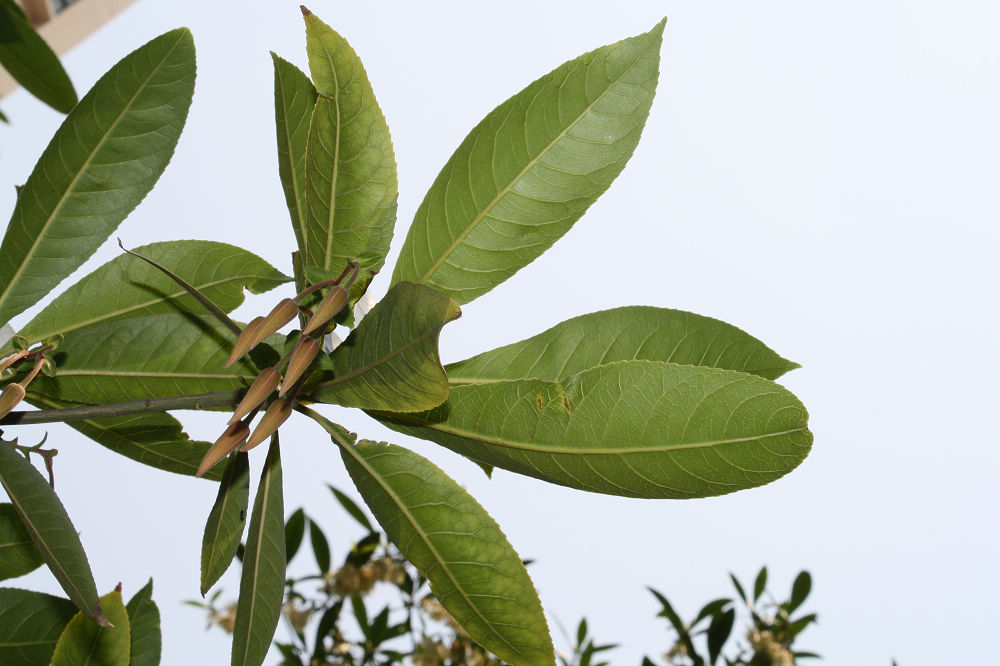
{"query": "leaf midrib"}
{"type": "Point", "coordinates": [380, 361]}
{"type": "Point", "coordinates": [4, 297]}
{"type": "Point", "coordinates": [509, 187]}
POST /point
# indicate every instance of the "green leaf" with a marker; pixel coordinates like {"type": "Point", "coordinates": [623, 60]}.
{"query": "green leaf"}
{"type": "Point", "coordinates": [320, 546]}
{"type": "Point", "coordinates": [129, 287]}
{"type": "Point", "coordinates": [800, 590]}
{"type": "Point", "coordinates": [622, 334]}
{"type": "Point", "coordinates": [718, 633]}
{"type": "Point", "coordinates": [30, 625]}
{"type": "Point", "coordinates": [390, 361]}
{"type": "Point", "coordinates": [84, 643]}
{"type": "Point", "coordinates": [100, 164]}
{"type": "Point", "coordinates": [739, 587]}
{"type": "Point", "coordinates": [18, 554]}
{"type": "Point", "coordinates": [155, 439]}
{"type": "Point", "coordinates": [226, 520]}
{"type": "Point", "coordinates": [760, 583]}
{"type": "Point", "coordinates": [294, 99]}
{"type": "Point", "coordinates": [45, 519]}
{"type": "Point", "coordinates": [155, 356]}
{"type": "Point", "coordinates": [632, 428]}
{"type": "Point", "coordinates": [350, 168]}
{"type": "Point", "coordinates": [295, 528]}
{"type": "Point", "coordinates": [473, 571]}
{"type": "Point", "coordinates": [144, 624]}
{"type": "Point", "coordinates": [530, 169]}
{"type": "Point", "coordinates": [351, 508]}
{"type": "Point", "coordinates": [32, 62]}
{"type": "Point", "coordinates": [262, 585]}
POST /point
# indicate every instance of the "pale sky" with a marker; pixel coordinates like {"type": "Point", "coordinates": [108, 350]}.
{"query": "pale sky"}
{"type": "Point", "coordinates": [822, 175]}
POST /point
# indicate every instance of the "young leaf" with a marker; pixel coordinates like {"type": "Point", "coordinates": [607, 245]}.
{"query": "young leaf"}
{"type": "Point", "coordinates": [440, 528]}
{"type": "Point", "coordinates": [351, 508]}
{"type": "Point", "coordinates": [156, 356]}
{"type": "Point", "coordinates": [18, 554]}
{"type": "Point", "coordinates": [718, 633]}
{"type": "Point", "coordinates": [224, 528]}
{"type": "Point", "coordinates": [30, 625]}
{"type": "Point", "coordinates": [262, 584]}
{"type": "Point", "coordinates": [45, 519]}
{"type": "Point", "coordinates": [294, 99]}
{"type": "Point", "coordinates": [84, 643]}
{"type": "Point", "coordinates": [100, 164]}
{"type": "Point", "coordinates": [390, 361]}
{"type": "Point", "coordinates": [632, 428]}
{"type": "Point", "coordinates": [155, 439]}
{"type": "Point", "coordinates": [321, 549]}
{"type": "Point", "coordinates": [759, 583]}
{"type": "Point", "coordinates": [800, 590]}
{"type": "Point", "coordinates": [129, 287]}
{"type": "Point", "coordinates": [530, 169]}
{"type": "Point", "coordinates": [622, 334]}
{"type": "Point", "coordinates": [350, 168]}
{"type": "Point", "coordinates": [144, 625]}
{"type": "Point", "coordinates": [739, 587]}
{"type": "Point", "coordinates": [295, 528]}
{"type": "Point", "coordinates": [32, 62]}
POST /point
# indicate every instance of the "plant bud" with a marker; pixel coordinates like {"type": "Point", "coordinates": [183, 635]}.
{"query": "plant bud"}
{"type": "Point", "coordinates": [331, 304]}
{"type": "Point", "coordinates": [246, 341]}
{"type": "Point", "coordinates": [12, 394]}
{"type": "Point", "coordinates": [258, 392]}
{"type": "Point", "coordinates": [283, 312]}
{"type": "Point", "coordinates": [276, 414]}
{"type": "Point", "coordinates": [226, 444]}
{"type": "Point", "coordinates": [302, 357]}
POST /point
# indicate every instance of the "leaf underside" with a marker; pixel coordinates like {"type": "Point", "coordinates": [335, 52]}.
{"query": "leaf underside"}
{"type": "Point", "coordinates": [226, 521]}
{"type": "Point", "coordinates": [18, 554]}
{"type": "Point", "coordinates": [31, 62]}
{"type": "Point", "coordinates": [30, 624]}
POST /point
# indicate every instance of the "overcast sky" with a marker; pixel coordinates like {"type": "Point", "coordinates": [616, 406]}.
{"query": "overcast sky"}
{"type": "Point", "coordinates": [823, 175]}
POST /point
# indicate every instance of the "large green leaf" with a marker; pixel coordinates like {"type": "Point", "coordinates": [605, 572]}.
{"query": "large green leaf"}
{"type": "Point", "coordinates": [126, 286]}
{"type": "Point", "coordinates": [45, 518]}
{"type": "Point", "coordinates": [623, 334]}
{"type": "Point", "coordinates": [105, 158]}
{"type": "Point", "coordinates": [144, 625]}
{"type": "Point", "coordinates": [154, 356]}
{"type": "Point", "coordinates": [390, 361]}
{"type": "Point", "coordinates": [226, 520]}
{"type": "Point", "coordinates": [84, 643]}
{"type": "Point", "coordinates": [262, 584]}
{"type": "Point", "coordinates": [449, 537]}
{"type": "Point", "coordinates": [30, 625]}
{"type": "Point", "coordinates": [530, 169]}
{"type": "Point", "coordinates": [294, 99]}
{"type": "Point", "coordinates": [633, 428]}
{"type": "Point", "coordinates": [350, 167]}
{"type": "Point", "coordinates": [155, 439]}
{"type": "Point", "coordinates": [32, 62]}
{"type": "Point", "coordinates": [18, 554]}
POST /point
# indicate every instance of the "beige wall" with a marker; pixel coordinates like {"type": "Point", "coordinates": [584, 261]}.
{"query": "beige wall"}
{"type": "Point", "coordinates": [66, 29]}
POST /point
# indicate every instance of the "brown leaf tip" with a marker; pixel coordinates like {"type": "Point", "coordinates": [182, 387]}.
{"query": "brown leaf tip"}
{"type": "Point", "coordinates": [118, 587]}
{"type": "Point", "coordinates": [97, 615]}
{"type": "Point", "coordinates": [305, 10]}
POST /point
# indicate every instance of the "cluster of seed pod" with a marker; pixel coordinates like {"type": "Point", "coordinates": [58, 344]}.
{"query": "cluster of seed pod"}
{"type": "Point", "coordinates": [13, 393]}
{"type": "Point", "coordinates": [271, 380]}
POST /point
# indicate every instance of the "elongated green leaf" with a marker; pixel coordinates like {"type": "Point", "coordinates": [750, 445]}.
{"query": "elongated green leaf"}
{"type": "Point", "coordinates": [18, 554]}
{"type": "Point", "coordinates": [157, 439]}
{"type": "Point", "coordinates": [320, 546]}
{"type": "Point", "coordinates": [449, 537]}
{"type": "Point", "coordinates": [623, 334]}
{"type": "Point", "coordinates": [45, 518]}
{"type": "Point", "coordinates": [350, 167]}
{"type": "Point", "coordinates": [530, 169]}
{"type": "Point", "coordinates": [262, 585]}
{"type": "Point", "coordinates": [295, 529]}
{"type": "Point", "coordinates": [144, 625]}
{"type": "Point", "coordinates": [154, 356]}
{"type": "Point", "coordinates": [632, 428]}
{"type": "Point", "coordinates": [32, 62]}
{"type": "Point", "coordinates": [351, 508]}
{"type": "Point", "coordinates": [30, 625]}
{"type": "Point", "coordinates": [294, 99]}
{"type": "Point", "coordinates": [84, 643]}
{"type": "Point", "coordinates": [390, 361]}
{"type": "Point", "coordinates": [100, 164]}
{"type": "Point", "coordinates": [224, 528]}
{"type": "Point", "coordinates": [129, 287]}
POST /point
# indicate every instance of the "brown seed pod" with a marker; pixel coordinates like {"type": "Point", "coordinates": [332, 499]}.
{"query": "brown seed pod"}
{"type": "Point", "coordinates": [302, 357]}
{"type": "Point", "coordinates": [226, 444]}
{"type": "Point", "coordinates": [276, 414]}
{"type": "Point", "coordinates": [9, 399]}
{"type": "Point", "coordinates": [327, 309]}
{"type": "Point", "coordinates": [265, 384]}
{"type": "Point", "coordinates": [246, 341]}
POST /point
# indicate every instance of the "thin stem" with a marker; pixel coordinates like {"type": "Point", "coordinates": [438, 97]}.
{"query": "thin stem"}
{"type": "Point", "coordinates": [199, 401]}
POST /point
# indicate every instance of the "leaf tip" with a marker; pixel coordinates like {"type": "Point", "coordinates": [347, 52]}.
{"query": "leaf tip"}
{"type": "Point", "coordinates": [97, 615]}
{"type": "Point", "coordinates": [305, 10]}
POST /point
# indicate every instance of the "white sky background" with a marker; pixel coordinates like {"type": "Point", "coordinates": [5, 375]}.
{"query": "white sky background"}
{"type": "Point", "coordinates": [822, 175]}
